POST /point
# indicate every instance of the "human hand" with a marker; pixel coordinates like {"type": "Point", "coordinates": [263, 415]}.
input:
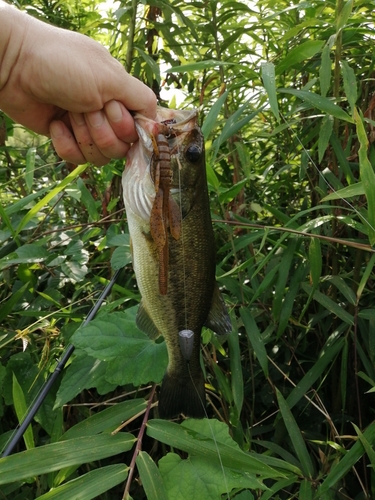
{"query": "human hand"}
{"type": "Point", "coordinates": [65, 85]}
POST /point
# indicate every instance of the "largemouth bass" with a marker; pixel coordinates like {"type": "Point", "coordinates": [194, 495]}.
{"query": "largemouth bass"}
{"type": "Point", "coordinates": [168, 213]}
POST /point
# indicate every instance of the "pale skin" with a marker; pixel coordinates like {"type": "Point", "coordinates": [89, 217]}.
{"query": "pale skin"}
{"type": "Point", "coordinates": [66, 86]}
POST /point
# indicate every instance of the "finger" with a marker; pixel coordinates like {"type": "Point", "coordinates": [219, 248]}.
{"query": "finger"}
{"type": "Point", "coordinates": [121, 121]}
{"type": "Point", "coordinates": [104, 135]}
{"type": "Point", "coordinates": [65, 143]}
{"type": "Point", "coordinates": [85, 141]}
{"type": "Point", "coordinates": [133, 94]}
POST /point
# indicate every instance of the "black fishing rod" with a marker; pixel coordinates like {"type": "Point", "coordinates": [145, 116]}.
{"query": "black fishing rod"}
{"type": "Point", "coordinates": [21, 428]}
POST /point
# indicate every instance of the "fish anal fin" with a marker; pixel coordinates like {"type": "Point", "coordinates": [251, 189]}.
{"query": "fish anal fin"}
{"type": "Point", "coordinates": [218, 318]}
{"type": "Point", "coordinates": [145, 323]}
{"type": "Point", "coordinates": [182, 395]}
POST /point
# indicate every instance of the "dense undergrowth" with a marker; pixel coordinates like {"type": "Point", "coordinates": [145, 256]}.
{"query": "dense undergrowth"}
{"type": "Point", "coordinates": [285, 92]}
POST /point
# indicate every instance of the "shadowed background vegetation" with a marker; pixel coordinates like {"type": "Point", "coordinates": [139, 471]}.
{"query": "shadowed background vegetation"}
{"type": "Point", "coordinates": [286, 98]}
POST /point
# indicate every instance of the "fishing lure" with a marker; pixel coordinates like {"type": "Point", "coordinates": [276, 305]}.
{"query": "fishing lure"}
{"type": "Point", "coordinates": [165, 212]}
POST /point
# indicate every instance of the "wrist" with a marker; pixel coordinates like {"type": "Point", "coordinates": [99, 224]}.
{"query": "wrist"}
{"type": "Point", "coordinates": [13, 27]}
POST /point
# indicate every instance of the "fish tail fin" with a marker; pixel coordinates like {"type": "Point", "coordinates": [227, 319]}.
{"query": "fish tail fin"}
{"type": "Point", "coordinates": [182, 394]}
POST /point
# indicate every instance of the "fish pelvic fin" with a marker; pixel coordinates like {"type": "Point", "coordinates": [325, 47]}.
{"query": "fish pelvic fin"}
{"type": "Point", "coordinates": [182, 395]}
{"type": "Point", "coordinates": [218, 319]}
{"type": "Point", "coordinates": [145, 323]}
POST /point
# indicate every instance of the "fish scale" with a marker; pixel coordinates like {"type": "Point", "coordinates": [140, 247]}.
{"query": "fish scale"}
{"type": "Point", "coordinates": [193, 298]}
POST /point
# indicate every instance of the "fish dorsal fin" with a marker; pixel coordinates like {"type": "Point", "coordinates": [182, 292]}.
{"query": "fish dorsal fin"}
{"type": "Point", "coordinates": [145, 323]}
{"type": "Point", "coordinates": [218, 318]}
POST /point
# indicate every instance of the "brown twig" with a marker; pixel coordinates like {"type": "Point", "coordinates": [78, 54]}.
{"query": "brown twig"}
{"type": "Point", "coordinates": [139, 445]}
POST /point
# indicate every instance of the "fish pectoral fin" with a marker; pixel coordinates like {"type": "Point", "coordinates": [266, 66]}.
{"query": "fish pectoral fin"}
{"type": "Point", "coordinates": [145, 323]}
{"type": "Point", "coordinates": [218, 318]}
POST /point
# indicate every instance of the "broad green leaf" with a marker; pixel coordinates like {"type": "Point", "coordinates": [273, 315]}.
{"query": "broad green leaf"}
{"type": "Point", "coordinates": [269, 82]}
{"type": "Point", "coordinates": [84, 372]}
{"type": "Point", "coordinates": [319, 102]}
{"type": "Point", "coordinates": [149, 474]}
{"type": "Point", "coordinates": [131, 357]}
{"type": "Point", "coordinates": [210, 120]}
{"type": "Point", "coordinates": [30, 168]}
{"type": "Point", "coordinates": [26, 254]}
{"type": "Point", "coordinates": [51, 194]}
{"type": "Point", "coordinates": [255, 338]}
{"type": "Point", "coordinates": [346, 192]}
{"type": "Point", "coordinates": [89, 485]}
{"type": "Point", "coordinates": [325, 132]}
{"type": "Point", "coordinates": [21, 410]}
{"type": "Point", "coordinates": [350, 84]}
{"type": "Point", "coordinates": [296, 437]}
{"type": "Point", "coordinates": [121, 257]}
{"type": "Point", "coordinates": [199, 478]}
{"type": "Point", "coordinates": [208, 446]}
{"type": "Point", "coordinates": [367, 175]}
{"type": "Point", "coordinates": [53, 457]}
{"type": "Point", "coordinates": [341, 468]}
{"type": "Point", "coordinates": [299, 53]}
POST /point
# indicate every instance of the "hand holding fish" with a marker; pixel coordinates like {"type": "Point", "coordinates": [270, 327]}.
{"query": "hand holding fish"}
{"type": "Point", "coordinates": [168, 212]}
{"type": "Point", "coordinates": [63, 84]}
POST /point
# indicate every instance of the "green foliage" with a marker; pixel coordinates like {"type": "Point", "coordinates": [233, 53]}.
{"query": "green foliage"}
{"type": "Point", "coordinates": [285, 96]}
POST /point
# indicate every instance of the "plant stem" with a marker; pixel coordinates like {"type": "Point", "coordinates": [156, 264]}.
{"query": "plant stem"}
{"type": "Point", "coordinates": [139, 445]}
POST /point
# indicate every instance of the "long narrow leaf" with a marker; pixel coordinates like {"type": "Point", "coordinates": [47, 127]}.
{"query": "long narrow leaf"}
{"type": "Point", "coordinates": [21, 410]}
{"type": "Point", "coordinates": [33, 211]}
{"type": "Point", "coordinates": [367, 175]}
{"type": "Point", "coordinates": [149, 474]}
{"type": "Point", "coordinates": [90, 485]}
{"type": "Point", "coordinates": [296, 437]}
{"type": "Point", "coordinates": [52, 457]}
{"type": "Point", "coordinates": [348, 460]}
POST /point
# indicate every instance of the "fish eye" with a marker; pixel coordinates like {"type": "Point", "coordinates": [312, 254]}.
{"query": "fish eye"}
{"type": "Point", "coordinates": [193, 153]}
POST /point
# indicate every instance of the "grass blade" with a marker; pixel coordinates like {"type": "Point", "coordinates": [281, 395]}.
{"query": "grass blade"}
{"type": "Point", "coordinates": [296, 437]}
{"type": "Point", "coordinates": [152, 481]}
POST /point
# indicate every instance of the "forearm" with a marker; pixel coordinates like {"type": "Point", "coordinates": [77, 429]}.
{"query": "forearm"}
{"type": "Point", "coordinates": [13, 26]}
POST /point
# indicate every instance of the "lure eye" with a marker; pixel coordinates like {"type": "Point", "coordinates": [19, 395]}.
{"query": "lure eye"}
{"type": "Point", "coordinates": [193, 153]}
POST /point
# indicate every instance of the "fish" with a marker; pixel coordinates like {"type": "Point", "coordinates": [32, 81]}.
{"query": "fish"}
{"type": "Point", "coordinates": [173, 247]}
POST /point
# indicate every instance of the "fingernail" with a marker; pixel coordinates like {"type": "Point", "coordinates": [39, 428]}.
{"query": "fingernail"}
{"type": "Point", "coordinates": [78, 118]}
{"type": "Point", "coordinates": [113, 111]}
{"type": "Point", "coordinates": [56, 130]}
{"type": "Point", "coordinates": [95, 119]}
